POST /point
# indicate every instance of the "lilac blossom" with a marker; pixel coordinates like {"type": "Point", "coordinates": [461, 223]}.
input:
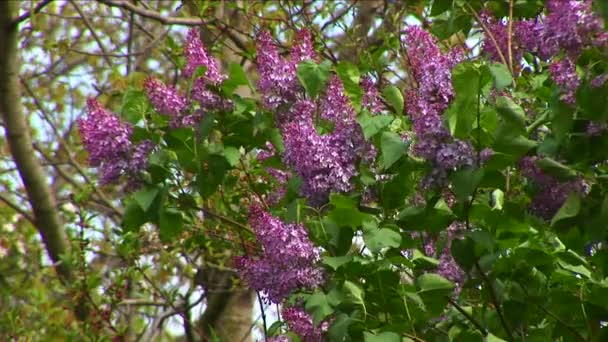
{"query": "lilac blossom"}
{"type": "Point", "coordinates": [197, 56]}
{"type": "Point", "coordinates": [552, 193]}
{"type": "Point", "coordinates": [447, 267]}
{"type": "Point", "coordinates": [107, 140]}
{"type": "Point", "coordinates": [165, 99]}
{"type": "Point", "coordinates": [596, 129]}
{"type": "Point", "coordinates": [432, 70]}
{"type": "Point", "coordinates": [323, 162]}
{"type": "Point", "coordinates": [301, 323]}
{"type": "Point", "coordinates": [371, 97]}
{"type": "Point", "coordinates": [288, 259]}
{"type": "Point", "coordinates": [496, 43]}
{"type": "Point", "coordinates": [278, 82]}
{"type": "Point", "coordinates": [570, 25]}
{"type": "Point", "coordinates": [564, 75]}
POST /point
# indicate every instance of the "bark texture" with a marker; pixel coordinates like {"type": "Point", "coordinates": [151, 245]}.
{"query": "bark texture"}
{"type": "Point", "coordinates": [19, 140]}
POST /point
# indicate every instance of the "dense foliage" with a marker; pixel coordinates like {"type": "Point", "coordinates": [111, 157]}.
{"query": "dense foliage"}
{"type": "Point", "coordinates": [464, 197]}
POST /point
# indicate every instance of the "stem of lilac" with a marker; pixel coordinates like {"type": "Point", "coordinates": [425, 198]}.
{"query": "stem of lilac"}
{"type": "Point", "coordinates": [510, 36]}
{"type": "Point", "coordinates": [470, 318]}
{"type": "Point", "coordinates": [494, 300]}
{"type": "Point", "coordinates": [261, 303]}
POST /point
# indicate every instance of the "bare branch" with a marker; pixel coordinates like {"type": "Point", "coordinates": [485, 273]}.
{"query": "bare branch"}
{"type": "Point", "coordinates": [152, 14]}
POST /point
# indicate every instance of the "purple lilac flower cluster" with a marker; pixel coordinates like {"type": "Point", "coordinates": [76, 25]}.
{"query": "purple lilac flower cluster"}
{"type": "Point", "coordinates": [324, 162]}
{"type": "Point", "coordinates": [288, 259]}
{"type": "Point", "coordinates": [432, 70]}
{"type": "Point", "coordinates": [107, 140]}
{"type": "Point", "coordinates": [169, 101]}
{"type": "Point", "coordinates": [278, 82]}
{"type": "Point", "coordinates": [300, 322]}
{"type": "Point", "coordinates": [552, 193]}
{"type": "Point", "coordinates": [568, 27]}
{"type": "Point", "coordinates": [447, 268]}
{"type": "Point", "coordinates": [564, 75]}
{"type": "Point", "coordinates": [371, 96]}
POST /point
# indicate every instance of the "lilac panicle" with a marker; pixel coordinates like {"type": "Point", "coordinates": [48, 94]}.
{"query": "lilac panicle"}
{"type": "Point", "coordinates": [165, 99]}
{"type": "Point", "coordinates": [301, 323]}
{"type": "Point", "coordinates": [278, 82]}
{"type": "Point", "coordinates": [551, 193]}
{"type": "Point", "coordinates": [197, 56]}
{"type": "Point", "coordinates": [570, 25]}
{"type": "Point", "coordinates": [432, 70]}
{"type": "Point", "coordinates": [524, 38]}
{"type": "Point", "coordinates": [371, 97]}
{"type": "Point", "coordinates": [564, 75]}
{"type": "Point", "coordinates": [106, 139]}
{"type": "Point", "coordinates": [288, 260]}
{"type": "Point", "coordinates": [447, 268]}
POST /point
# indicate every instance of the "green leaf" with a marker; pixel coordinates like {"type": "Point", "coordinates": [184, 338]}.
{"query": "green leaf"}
{"type": "Point", "coordinates": [392, 149]}
{"type": "Point", "coordinates": [569, 209]}
{"type": "Point", "coordinates": [133, 217]}
{"type": "Point", "coordinates": [338, 330]}
{"type": "Point", "coordinates": [465, 181]}
{"type": "Point", "coordinates": [212, 175]}
{"type": "Point", "coordinates": [318, 306]}
{"type": "Point", "coordinates": [512, 114]}
{"type": "Point", "coordinates": [353, 294]}
{"type": "Point", "coordinates": [502, 76]}
{"type": "Point", "coordinates": [350, 76]}
{"type": "Point", "coordinates": [236, 77]}
{"type": "Point", "coordinates": [394, 97]}
{"type": "Point", "coordinates": [375, 239]}
{"type": "Point", "coordinates": [336, 262]}
{"type": "Point", "coordinates": [440, 6]}
{"type": "Point", "coordinates": [433, 282]}
{"type": "Point", "coordinates": [386, 336]}
{"type": "Point", "coordinates": [313, 76]}
{"type": "Point", "coordinates": [461, 115]}
{"type": "Point", "coordinates": [134, 105]}
{"type": "Point", "coordinates": [556, 168]}
{"type": "Point", "coordinates": [493, 338]}
{"type": "Point", "coordinates": [348, 72]}
{"type": "Point", "coordinates": [463, 251]}
{"type": "Point", "coordinates": [146, 197]}
{"type": "Point", "coordinates": [371, 125]}
{"type": "Point", "coordinates": [232, 155]}
{"type": "Point", "coordinates": [170, 224]}
{"type": "Point", "coordinates": [206, 125]}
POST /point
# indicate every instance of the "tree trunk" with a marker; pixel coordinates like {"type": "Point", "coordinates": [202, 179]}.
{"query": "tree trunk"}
{"type": "Point", "coordinates": [17, 135]}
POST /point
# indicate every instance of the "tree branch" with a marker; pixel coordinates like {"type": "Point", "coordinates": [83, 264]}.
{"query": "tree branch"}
{"type": "Point", "coordinates": [152, 14]}
{"type": "Point", "coordinates": [25, 16]}
{"type": "Point", "coordinates": [20, 144]}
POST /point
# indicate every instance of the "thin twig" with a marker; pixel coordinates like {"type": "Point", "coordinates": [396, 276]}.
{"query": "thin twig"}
{"type": "Point", "coordinates": [470, 318]}
{"type": "Point", "coordinates": [18, 209]}
{"type": "Point", "coordinates": [87, 23]}
{"type": "Point", "coordinates": [26, 15]}
{"type": "Point", "coordinates": [153, 14]}
{"type": "Point", "coordinates": [494, 300]}
{"type": "Point", "coordinates": [510, 36]}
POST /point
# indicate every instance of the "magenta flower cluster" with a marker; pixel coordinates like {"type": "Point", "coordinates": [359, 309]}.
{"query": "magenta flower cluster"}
{"type": "Point", "coordinates": [551, 192]}
{"type": "Point", "coordinates": [324, 162]}
{"type": "Point", "coordinates": [288, 261]}
{"type": "Point", "coordinates": [278, 82]}
{"type": "Point", "coordinates": [169, 101]}
{"type": "Point", "coordinates": [447, 268]}
{"type": "Point", "coordinates": [432, 71]}
{"type": "Point", "coordinates": [107, 140]}
{"type": "Point", "coordinates": [300, 322]}
{"type": "Point", "coordinates": [568, 26]}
